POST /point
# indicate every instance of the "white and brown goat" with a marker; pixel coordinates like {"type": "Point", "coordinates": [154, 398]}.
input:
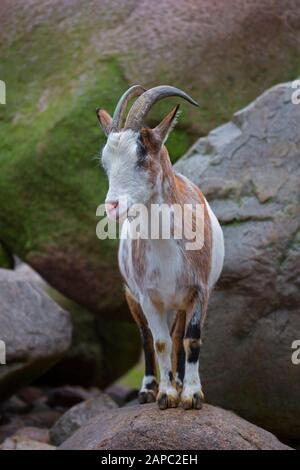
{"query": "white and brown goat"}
{"type": "Point", "coordinates": [167, 286]}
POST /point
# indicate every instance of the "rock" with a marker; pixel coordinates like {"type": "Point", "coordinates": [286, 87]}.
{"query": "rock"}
{"type": "Point", "coordinates": [78, 416]}
{"type": "Point", "coordinates": [41, 419]}
{"type": "Point", "coordinates": [249, 171]}
{"type": "Point", "coordinates": [25, 272]}
{"type": "Point", "coordinates": [101, 352]}
{"type": "Point", "coordinates": [32, 394]}
{"type": "Point", "coordinates": [121, 394]}
{"type": "Point", "coordinates": [69, 396]}
{"type": "Point", "coordinates": [133, 402]}
{"type": "Point", "coordinates": [34, 434]}
{"type": "Point", "coordinates": [36, 331]}
{"type": "Point", "coordinates": [223, 53]}
{"type": "Point", "coordinates": [14, 406]}
{"type": "Point", "coordinates": [9, 429]}
{"type": "Point", "coordinates": [146, 427]}
{"type": "Point", "coordinates": [22, 443]}
{"type": "Point", "coordinates": [37, 420]}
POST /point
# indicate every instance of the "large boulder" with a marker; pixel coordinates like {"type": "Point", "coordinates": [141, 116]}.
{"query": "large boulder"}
{"type": "Point", "coordinates": [102, 350]}
{"type": "Point", "coordinates": [23, 443]}
{"type": "Point", "coordinates": [35, 330]}
{"type": "Point", "coordinates": [147, 428]}
{"type": "Point", "coordinates": [249, 170]}
{"type": "Point", "coordinates": [223, 53]}
{"type": "Point", "coordinates": [78, 416]}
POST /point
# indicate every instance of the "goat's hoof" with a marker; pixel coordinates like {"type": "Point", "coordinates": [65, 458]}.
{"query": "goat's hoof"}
{"type": "Point", "coordinates": [165, 400]}
{"type": "Point", "coordinates": [146, 396]}
{"type": "Point", "coordinates": [194, 401]}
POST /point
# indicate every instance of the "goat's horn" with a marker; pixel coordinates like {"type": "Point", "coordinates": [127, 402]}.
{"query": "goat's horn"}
{"type": "Point", "coordinates": [144, 103]}
{"type": "Point", "coordinates": [135, 90]}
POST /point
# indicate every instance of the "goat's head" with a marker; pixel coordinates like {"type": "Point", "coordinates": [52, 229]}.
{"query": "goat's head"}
{"type": "Point", "coordinates": [132, 155]}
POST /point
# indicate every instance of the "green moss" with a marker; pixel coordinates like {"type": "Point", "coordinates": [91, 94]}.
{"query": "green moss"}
{"type": "Point", "coordinates": [134, 377]}
{"type": "Point", "coordinates": [55, 172]}
{"type": "Point", "coordinates": [6, 258]}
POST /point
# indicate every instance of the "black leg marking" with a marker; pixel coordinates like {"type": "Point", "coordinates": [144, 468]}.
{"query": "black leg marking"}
{"type": "Point", "coordinates": [192, 336]}
{"type": "Point", "coordinates": [193, 330]}
{"type": "Point", "coordinates": [149, 390]}
{"type": "Point", "coordinates": [192, 396]}
{"type": "Point", "coordinates": [194, 350]}
{"type": "Point", "coordinates": [181, 363]}
{"type": "Point", "coordinates": [148, 351]}
{"type": "Point", "coordinates": [152, 385]}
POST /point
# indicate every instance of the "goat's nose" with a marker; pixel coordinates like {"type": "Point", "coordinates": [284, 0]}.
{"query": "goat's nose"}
{"type": "Point", "coordinates": [110, 206]}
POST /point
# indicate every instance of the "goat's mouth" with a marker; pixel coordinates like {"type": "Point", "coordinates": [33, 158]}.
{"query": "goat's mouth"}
{"type": "Point", "coordinates": [118, 214]}
{"type": "Point", "coordinates": [122, 210]}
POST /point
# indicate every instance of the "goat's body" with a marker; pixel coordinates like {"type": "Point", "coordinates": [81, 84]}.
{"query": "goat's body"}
{"type": "Point", "coordinates": [161, 270]}
{"type": "Point", "coordinates": [164, 280]}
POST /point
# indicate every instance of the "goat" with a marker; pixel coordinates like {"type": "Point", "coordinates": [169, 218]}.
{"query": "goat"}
{"type": "Point", "coordinates": [167, 287]}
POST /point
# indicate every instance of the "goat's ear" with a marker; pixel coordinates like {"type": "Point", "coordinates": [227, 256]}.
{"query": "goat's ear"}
{"type": "Point", "coordinates": [105, 120]}
{"type": "Point", "coordinates": [163, 129]}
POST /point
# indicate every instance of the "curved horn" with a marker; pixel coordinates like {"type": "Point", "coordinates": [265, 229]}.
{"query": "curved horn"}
{"type": "Point", "coordinates": [135, 90]}
{"type": "Point", "coordinates": [144, 103]}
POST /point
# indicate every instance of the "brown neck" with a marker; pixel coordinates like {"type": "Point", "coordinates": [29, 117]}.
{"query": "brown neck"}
{"type": "Point", "coordinates": [171, 186]}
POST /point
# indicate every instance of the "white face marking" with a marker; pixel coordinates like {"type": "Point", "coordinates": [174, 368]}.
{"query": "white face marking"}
{"type": "Point", "coordinates": [126, 180]}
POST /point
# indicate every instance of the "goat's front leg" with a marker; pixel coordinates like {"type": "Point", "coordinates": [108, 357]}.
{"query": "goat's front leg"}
{"type": "Point", "coordinates": [148, 391]}
{"type": "Point", "coordinates": [192, 395]}
{"type": "Point", "coordinates": [167, 396]}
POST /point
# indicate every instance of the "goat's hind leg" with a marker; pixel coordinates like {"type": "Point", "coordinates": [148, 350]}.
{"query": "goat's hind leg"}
{"type": "Point", "coordinates": [149, 388]}
{"type": "Point", "coordinates": [178, 352]}
{"type": "Point", "coordinates": [192, 395]}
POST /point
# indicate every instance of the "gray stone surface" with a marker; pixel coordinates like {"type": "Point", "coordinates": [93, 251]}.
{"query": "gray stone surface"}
{"type": "Point", "coordinates": [249, 170]}
{"type": "Point", "coordinates": [36, 331]}
{"type": "Point", "coordinates": [23, 443]}
{"type": "Point", "coordinates": [146, 427]}
{"type": "Point", "coordinates": [78, 416]}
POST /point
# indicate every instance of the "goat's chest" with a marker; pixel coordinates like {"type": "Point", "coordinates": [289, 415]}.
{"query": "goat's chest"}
{"type": "Point", "coordinates": [153, 268]}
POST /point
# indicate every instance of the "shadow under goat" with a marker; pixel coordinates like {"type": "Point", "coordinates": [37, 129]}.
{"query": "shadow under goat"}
{"type": "Point", "coordinates": [168, 281]}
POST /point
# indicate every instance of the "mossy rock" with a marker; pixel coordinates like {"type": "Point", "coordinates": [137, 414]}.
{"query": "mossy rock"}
{"type": "Point", "coordinates": [6, 258]}
{"type": "Point", "coordinates": [61, 60]}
